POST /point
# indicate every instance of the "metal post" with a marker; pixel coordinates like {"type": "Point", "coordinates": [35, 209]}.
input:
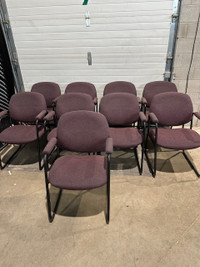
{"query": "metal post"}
{"type": "Point", "coordinates": [172, 40]}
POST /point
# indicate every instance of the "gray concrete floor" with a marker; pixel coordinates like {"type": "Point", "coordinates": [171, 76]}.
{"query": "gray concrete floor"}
{"type": "Point", "coordinates": [154, 222]}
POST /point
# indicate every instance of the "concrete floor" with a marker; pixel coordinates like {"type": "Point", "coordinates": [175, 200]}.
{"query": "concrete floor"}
{"type": "Point", "coordinates": [154, 222]}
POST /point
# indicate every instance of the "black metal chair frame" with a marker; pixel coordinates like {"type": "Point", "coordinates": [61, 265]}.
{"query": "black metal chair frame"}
{"type": "Point", "coordinates": [21, 146]}
{"type": "Point", "coordinates": [51, 214]}
{"type": "Point", "coordinates": [142, 128]}
{"type": "Point", "coordinates": [152, 167]}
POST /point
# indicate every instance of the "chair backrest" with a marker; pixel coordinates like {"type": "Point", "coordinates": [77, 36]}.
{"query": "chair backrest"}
{"type": "Point", "coordinates": [82, 87]}
{"type": "Point", "coordinates": [25, 106]}
{"type": "Point", "coordinates": [120, 108]}
{"type": "Point", "coordinates": [120, 87]}
{"type": "Point", "coordinates": [172, 108]}
{"type": "Point", "coordinates": [49, 90]}
{"type": "Point", "coordinates": [157, 87]}
{"type": "Point", "coordinates": [72, 102]}
{"type": "Point", "coordinates": [82, 131]}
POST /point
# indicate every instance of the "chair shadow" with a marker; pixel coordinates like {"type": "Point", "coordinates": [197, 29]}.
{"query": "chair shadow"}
{"type": "Point", "coordinates": [74, 203]}
{"type": "Point", "coordinates": [27, 155]}
{"type": "Point", "coordinates": [171, 161]}
{"type": "Point", "coordinates": [123, 159]}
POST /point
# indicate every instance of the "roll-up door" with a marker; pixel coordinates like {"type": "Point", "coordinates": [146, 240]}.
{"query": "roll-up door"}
{"type": "Point", "coordinates": [125, 40]}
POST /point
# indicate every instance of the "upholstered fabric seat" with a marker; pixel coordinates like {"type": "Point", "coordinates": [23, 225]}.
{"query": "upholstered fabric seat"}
{"type": "Point", "coordinates": [179, 139]}
{"type": "Point", "coordinates": [90, 172]}
{"type": "Point", "coordinates": [23, 134]}
{"type": "Point", "coordinates": [126, 137]}
{"type": "Point", "coordinates": [79, 131]}
{"type": "Point", "coordinates": [166, 111]}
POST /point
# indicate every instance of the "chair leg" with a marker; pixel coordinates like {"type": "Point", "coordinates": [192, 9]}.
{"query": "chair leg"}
{"type": "Point", "coordinates": [142, 157]}
{"type": "Point", "coordinates": [39, 154]}
{"type": "Point", "coordinates": [108, 190]}
{"type": "Point", "coordinates": [191, 165]}
{"type": "Point", "coordinates": [155, 160]}
{"type": "Point", "coordinates": [152, 168]}
{"type": "Point", "coordinates": [137, 160]}
{"type": "Point", "coordinates": [11, 157]}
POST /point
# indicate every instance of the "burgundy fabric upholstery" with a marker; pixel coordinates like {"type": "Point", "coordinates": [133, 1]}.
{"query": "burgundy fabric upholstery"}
{"type": "Point", "coordinates": [82, 131]}
{"type": "Point", "coordinates": [109, 145]}
{"type": "Point", "coordinates": [52, 134]}
{"type": "Point", "coordinates": [20, 134]}
{"type": "Point", "coordinates": [26, 106]}
{"type": "Point", "coordinates": [127, 137]}
{"type": "Point", "coordinates": [172, 109]}
{"type": "Point", "coordinates": [157, 87]}
{"type": "Point", "coordinates": [50, 146]}
{"type": "Point", "coordinates": [78, 172]}
{"type": "Point", "coordinates": [180, 139]}
{"type": "Point", "coordinates": [3, 113]}
{"type": "Point", "coordinates": [120, 87]}
{"type": "Point", "coordinates": [120, 108]}
{"type": "Point", "coordinates": [72, 102]}
{"type": "Point", "coordinates": [49, 90]}
{"type": "Point", "coordinates": [82, 87]}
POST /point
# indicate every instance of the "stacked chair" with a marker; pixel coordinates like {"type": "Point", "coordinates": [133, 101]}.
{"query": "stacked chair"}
{"type": "Point", "coordinates": [26, 111]}
{"type": "Point", "coordinates": [85, 88]}
{"type": "Point", "coordinates": [121, 123]}
{"type": "Point", "coordinates": [71, 102]}
{"type": "Point", "coordinates": [79, 131]}
{"type": "Point", "coordinates": [50, 90]}
{"type": "Point", "coordinates": [153, 88]}
{"type": "Point", "coordinates": [122, 112]}
{"type": "Point", "coordinates": [120, 87]}
{"type": "Point", "coordinates": [166, 111]}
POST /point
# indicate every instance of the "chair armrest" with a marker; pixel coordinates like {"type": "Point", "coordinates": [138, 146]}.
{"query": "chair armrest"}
{"type": "Point", "coordinates": [153, 117]}
{"type": "Point", "coordinates": [50, 146]}
{"type": "Point", "coordinates": [54, 101]}
{"type": "Point", "coordinates": [50, 116]}
{"type": "Point", "coordinates": [109, 145]}
{"type": "Point", "coordinates": [41, 115]}
{"type": "Point", "coordinates": [95, 100]}
{"type": "Point", "coordinates": [197, 114]}
{"type": "Point", "coordinates": [143, 100]}
{"type": "Point", "coordinates": [142, 116]}
{"type": "Point", "coordinates": [3, 114]}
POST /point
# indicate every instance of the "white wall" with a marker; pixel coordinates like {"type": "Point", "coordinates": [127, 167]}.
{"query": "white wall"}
{"type": "Point", "coordinates": [128, 40]}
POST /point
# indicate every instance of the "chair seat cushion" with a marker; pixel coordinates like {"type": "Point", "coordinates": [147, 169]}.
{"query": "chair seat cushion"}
{"type": "Point", "coordinates": [20, 134]}
{"type": "Point", "coordinates": [179, 139]}
{"type": "Point", "coordinates": [127, 137]}
{"type": "Point", "coordinates": [52, 134]}
{"type": "Point", "coordinates": [78, 172]}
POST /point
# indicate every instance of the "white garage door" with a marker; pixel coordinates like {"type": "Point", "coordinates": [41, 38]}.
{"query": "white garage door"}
{"type": "Point", "coordinates": [127, 40]}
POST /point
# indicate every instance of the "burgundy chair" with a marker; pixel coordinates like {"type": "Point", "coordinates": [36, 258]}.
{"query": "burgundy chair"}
{"type": "Point", "coordinates": [120, 87]}
{"type": "Point", "coordinates": [79, 131]}
{"type": "Point", "coordinates": [26, 110]}
{"type": "Point", "coordinates": [167, 110]}
{"type": "Point", "coordinates": [153, 88]}
{"type": "Point", "coordinates": [71, 102]}
{"type": "Point", "coordinates": [122, 112]}
{"type": "Point", "coordinates": [83, 87]}
{"type": "Point", "coordinates": [49, 90]}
